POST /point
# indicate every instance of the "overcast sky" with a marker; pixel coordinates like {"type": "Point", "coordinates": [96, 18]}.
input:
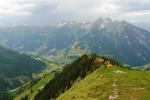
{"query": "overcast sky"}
{"type": "Point", "coordinates": [44, 12]}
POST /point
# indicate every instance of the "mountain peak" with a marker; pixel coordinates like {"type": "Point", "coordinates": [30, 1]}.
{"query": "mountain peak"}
{"type": "Point", "coordinates": [104, 20]}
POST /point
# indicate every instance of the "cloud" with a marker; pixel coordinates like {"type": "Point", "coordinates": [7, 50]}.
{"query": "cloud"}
{"type": "Point", "coordinates": [51, 11]}
{"type": "Point", "coordinates": [12, 8]}
{"type": "Point", "coordinates": [134, 5]}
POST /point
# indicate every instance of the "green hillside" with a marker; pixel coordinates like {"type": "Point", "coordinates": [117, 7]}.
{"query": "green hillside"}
{"type": "Point", "coordinates": [117, 83]}
{"type": "Point", "coordinates": [71, 74]}
{"type": "Point", "coordinates": [31, 89]}
{"type": "Point", "coordinates": [16, 69]}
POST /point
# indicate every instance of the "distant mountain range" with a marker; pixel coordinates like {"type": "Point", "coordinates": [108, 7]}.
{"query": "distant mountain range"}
{"type": "Point", "coordinates": [65, 42]}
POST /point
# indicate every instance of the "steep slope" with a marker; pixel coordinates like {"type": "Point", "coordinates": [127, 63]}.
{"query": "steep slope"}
{"type": "Point", "coordinates": [120, 39]}
{"type": "Point", "coordinates": [117, 83]}
{"type": "Point", "coordinates": [30, 90]}
{"type": "Point", "coordinates": [16, 68]}
{"type": "Point", "coordinates": [72, 74]}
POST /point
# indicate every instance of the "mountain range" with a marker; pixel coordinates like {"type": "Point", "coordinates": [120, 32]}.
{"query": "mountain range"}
{"type": "Point", "coordinates": [67, 41]}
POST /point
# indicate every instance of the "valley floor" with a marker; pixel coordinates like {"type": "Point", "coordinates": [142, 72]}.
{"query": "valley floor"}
{"type": "Point", "coordinates": [117, 83]}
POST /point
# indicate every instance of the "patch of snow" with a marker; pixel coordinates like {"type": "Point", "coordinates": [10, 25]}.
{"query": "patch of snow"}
{"type": "Point", "coordinates": [119, 72]}
{"type": "Point", "coordinates": [102, 26]}
{"type": "Point", "coordinates": [62, 24]}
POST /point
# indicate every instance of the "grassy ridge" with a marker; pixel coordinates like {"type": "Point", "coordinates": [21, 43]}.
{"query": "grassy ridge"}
{"type": "Point", "coordinates": [104, 84]}
{"type": "Point", "coordinates": [71, 74]}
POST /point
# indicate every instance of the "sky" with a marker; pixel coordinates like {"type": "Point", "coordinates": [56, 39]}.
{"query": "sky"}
{"type": "Point", "coordinates": [46, 12]}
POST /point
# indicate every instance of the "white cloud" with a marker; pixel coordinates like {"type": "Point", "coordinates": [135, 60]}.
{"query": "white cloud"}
{"type": "Point", "coordinates": [138, 13]}
{"type": "Point", "coordinates": [106, 8]}
{"type": "Point", "coordinates": [47, 11]}
{"type": "Point", "coordinates": [10, 7]}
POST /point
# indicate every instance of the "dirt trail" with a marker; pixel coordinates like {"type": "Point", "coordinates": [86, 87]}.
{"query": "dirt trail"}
{"type": "Point", "coordinates": [115, 93]}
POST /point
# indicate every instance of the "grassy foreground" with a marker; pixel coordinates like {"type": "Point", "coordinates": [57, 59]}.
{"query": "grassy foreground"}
{"type": "Point", "coordinates": [117, 83]}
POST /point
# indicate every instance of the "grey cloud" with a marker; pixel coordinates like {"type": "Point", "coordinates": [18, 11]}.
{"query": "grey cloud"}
{"type": "Point", "coordinates": [43, 8]}
{"type": "Point", "coordinates": [133, 8]}
{"type": "Point", "coordinates": [51, 11]}
{"type": "Point", "coordinates": [133, 5]}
